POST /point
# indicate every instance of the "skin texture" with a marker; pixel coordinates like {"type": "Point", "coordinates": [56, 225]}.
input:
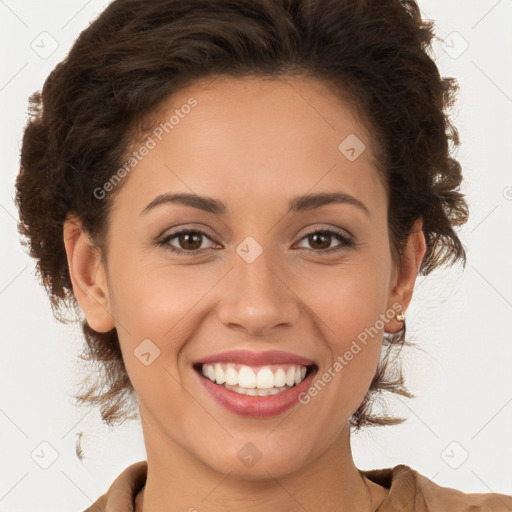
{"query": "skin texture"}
{"type": "Point", "coordinates": [254, 144]}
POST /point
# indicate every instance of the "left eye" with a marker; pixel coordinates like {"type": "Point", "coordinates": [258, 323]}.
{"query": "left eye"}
{"type": "Point", "coordinates": [325, 237]}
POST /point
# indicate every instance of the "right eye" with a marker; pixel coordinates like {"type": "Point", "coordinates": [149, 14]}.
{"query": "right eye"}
{"type": "Point", "coordinates": [190, 241]}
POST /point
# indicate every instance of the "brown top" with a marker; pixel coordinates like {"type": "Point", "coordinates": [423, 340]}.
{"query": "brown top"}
{"type": "Point", "coordinates": [409, 491]}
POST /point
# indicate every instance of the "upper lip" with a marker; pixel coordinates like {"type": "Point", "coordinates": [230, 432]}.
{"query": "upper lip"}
{"type": "Point", "coordinates": [256, 358]}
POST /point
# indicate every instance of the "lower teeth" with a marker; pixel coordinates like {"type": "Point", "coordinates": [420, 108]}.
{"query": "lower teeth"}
{"type": "Point", "coordinates": [254, 391]}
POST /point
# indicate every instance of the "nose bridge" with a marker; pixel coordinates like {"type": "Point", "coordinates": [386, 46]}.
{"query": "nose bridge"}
{"type": "Point", "coordinates": [256, 296]}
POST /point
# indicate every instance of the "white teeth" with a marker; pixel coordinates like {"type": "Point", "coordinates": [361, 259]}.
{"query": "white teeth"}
{"type": "Point", "coordinates": [246, 377]}
{"type": "Point", "coordinates": [219, 374]}
{"type": "Point", "coordinates": [265, 379]}
{"type": "Point", "coordinates": [256, 391]}
{"type": "Point", "coordinates": [260, 378]}
{"type": "Point", "coordinates": [279, 378]}
{"type": "Point", "coordinates": [290, 376]}
{"type": "Point", "coordinates": [231, 376]}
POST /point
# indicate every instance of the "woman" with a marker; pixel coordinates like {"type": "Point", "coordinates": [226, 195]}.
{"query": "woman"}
{"type": "Point", "coordinates": [238, 196]}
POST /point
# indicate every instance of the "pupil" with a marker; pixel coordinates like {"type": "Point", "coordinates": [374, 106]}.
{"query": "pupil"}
{"type": "Point", "coordinates": [187, 238]}
{"type": "Point", "coordinates": [316, 235]}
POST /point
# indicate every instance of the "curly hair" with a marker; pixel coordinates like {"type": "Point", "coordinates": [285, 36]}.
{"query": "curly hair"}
{"type": "Point", "coordinates": [137, 53]}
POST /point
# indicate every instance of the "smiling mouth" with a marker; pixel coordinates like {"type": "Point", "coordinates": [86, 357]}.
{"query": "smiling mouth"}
{"type": "Point", "coordinates": [264, 380]}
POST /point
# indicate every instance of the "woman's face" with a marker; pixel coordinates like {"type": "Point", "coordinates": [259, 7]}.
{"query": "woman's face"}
{"type": "Point", "coordinates": [250, 276]}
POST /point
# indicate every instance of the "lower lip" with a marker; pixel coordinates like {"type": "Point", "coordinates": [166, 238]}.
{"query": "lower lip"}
{"type": "Point", "coordinates": [257, 406]}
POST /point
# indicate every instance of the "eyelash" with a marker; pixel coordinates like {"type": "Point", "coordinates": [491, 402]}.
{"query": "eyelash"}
{"type": "Point", "coordinates": [347, 242]}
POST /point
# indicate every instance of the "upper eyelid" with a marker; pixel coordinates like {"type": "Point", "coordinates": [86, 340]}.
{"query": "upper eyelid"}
{"type": "Point", "coordinates": [173, 234]}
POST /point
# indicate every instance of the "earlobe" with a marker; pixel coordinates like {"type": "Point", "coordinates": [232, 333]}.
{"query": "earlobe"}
{"type": "Point", "coordinates": [88, 275]}
{"type": "Point", "coordinates": [411, 259]}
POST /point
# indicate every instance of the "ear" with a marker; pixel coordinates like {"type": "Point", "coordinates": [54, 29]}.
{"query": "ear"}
{"type": "Point", "coordinates": [411, 259]}
{"type": "Point", "coordinates": [88, 275]}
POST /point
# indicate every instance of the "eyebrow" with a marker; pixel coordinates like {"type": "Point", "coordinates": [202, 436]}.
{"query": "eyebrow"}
{"type": "Point", "coordinates": [300, 203]}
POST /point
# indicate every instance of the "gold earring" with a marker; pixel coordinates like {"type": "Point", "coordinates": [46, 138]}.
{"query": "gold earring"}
{"type": "Point", "coordinates": [401, 316]}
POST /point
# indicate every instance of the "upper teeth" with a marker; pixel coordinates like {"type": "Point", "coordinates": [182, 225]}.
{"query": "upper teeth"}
{"type": "Point", "coordinates": [262, 377]}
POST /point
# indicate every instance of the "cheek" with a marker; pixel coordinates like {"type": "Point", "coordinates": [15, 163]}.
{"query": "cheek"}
{"type": "Point", "coordinates": [151, 299]}
{"type": "Point", "coordinates": [156, 308]}
{"type": "Point", "coordinates": [349, 303]}
{"type": "Point", "coordinates": [152, 306]}
{"type": "Point", "coordinates": [350, 297]}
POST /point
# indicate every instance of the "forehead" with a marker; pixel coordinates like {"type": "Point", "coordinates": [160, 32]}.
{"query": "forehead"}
{"type": "Point", "coordinates": [255, 136]}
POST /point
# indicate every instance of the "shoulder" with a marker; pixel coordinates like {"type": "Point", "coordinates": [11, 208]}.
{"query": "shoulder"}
{"type": "Point", "coordinates": [121, 494]}
{"type": "Point", "coordinates": [409, 490]}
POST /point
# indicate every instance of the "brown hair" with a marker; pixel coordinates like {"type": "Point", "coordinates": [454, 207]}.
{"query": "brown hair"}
{"type": "Point", "coordinates": [137, 53]}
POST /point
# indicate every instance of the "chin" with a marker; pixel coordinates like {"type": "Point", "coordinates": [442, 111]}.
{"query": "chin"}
{"type": "Point", "coordinates": [256, 462]}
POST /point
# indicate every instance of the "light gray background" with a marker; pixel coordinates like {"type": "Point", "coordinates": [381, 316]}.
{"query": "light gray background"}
{"type": "Point", "coordinates": [460, 319]}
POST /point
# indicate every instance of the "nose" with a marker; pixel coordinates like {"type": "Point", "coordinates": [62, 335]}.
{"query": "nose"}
{"type": "Point", "coordinates": [256, 297]}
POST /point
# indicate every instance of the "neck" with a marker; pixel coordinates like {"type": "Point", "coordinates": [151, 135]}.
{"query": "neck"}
{"type": "Point", "coordinates": [177, 480]}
